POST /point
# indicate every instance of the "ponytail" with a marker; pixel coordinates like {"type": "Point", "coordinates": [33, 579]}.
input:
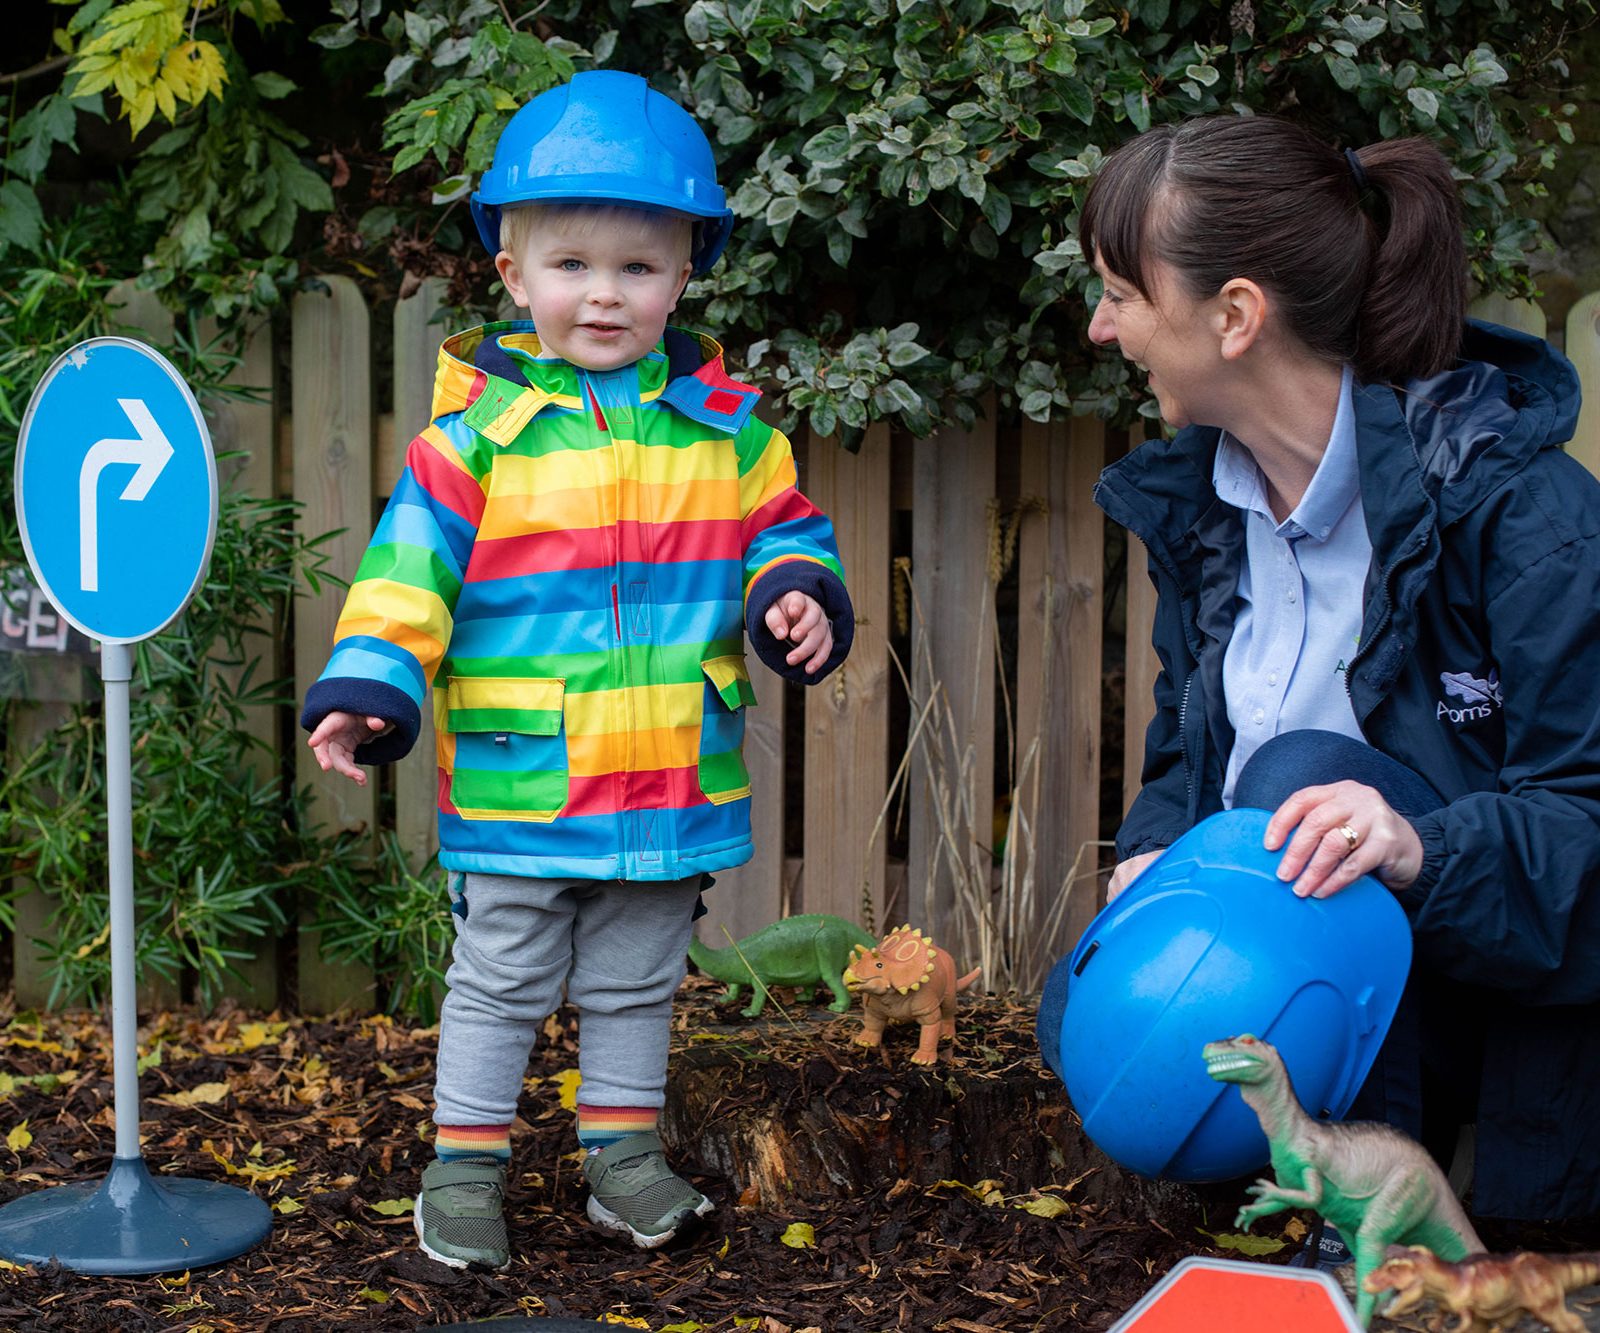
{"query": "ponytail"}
{"type": "Point", "coordinates": [1415, 304]}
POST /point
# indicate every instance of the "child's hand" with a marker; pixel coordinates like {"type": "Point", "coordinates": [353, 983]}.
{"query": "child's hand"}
{"type": "Point", "coordinates": [799, 619]}
{"type": "Point", "coordinates": [336, 738]}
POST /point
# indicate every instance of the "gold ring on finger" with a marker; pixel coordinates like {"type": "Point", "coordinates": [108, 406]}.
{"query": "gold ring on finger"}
{"type": "Point", "coordinates": [1350, 836]}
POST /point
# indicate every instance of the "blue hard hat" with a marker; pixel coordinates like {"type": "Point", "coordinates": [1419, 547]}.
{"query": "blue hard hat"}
{"type": "Point", "coordinates": [606, 137]}
{"type": "Point", "coordinates": [1208, 943]}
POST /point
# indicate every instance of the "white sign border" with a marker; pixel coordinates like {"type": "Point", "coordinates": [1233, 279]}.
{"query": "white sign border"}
{"type": "Point", "coordinates": [144, 349]}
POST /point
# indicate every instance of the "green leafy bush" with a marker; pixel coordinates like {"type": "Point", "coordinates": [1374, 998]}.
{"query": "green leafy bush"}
{"type": "Point", "coordinates": [914, 167]}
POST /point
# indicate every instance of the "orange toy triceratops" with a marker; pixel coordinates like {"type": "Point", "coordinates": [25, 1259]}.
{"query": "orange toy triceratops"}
{"type": "Point", "coordinates": [906, 980]}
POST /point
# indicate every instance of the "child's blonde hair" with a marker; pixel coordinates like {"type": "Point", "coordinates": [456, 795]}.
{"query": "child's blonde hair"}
{"type": "Point", "coordinates": [518, 221]}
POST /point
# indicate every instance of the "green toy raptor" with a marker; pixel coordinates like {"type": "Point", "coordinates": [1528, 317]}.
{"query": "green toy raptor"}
{"type": "Point", "coordinates": [1377, 1186]}
{"type": "Point", "coordinates": [810, 950]}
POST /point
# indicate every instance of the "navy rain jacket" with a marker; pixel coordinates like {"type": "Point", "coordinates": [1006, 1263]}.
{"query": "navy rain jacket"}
{"type": "Point", "coordinates": [1479, 667]}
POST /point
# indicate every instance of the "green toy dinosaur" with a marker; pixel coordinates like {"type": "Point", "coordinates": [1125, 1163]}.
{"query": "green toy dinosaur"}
{"type": "Point", "coordinates": [810, 950]}
{"type": "Point", "coordinates": [1377, 1186]}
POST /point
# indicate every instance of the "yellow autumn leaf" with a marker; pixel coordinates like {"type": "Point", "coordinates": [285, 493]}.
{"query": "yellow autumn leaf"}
{"type": "Point", "coordinates": [139, 109]}
{"type": "Point", "coordinates": [1242, 1242]}
{"type": "Point", "coordinates": [6, 1266]}
{"type": "Point", "coordinates": [625, 1321]}
{"type": "Point", "coordinates": [1046, 1205]}
{"type": "Point", "coordinates": [393, 1207]}
{"type": "Point", "coordinates": [84, 950]}
{"type": "Point", "coordinates": [8, 1085]}
{"type": "Point", "coordinates": [252, 1171]}
{"type": "Point", "coordinates": [195, 69]}
{"type": "Point", "coordinates": [688, 1326]}
{"type": "Point", "coordinates": [722, 1251]}
{"type": "Point", "coordinates": [140, 23]}
{"type": "Point", "coordinates": [373, 1294]}
{"type": "Point", "coordinates": [206, 1094]}
{"type": "Point", "coordinates": [567, 1082]}
{"type": "Point", "coordinates": [986, 1192]}
{"type": "Point", "coordinates": [19, 1138]}
{"type": "Point", "coordinates": [37, 1044]}
{"type": "Point", "coordinates": [173, 1283]}
{"type": "Point", "coordinates": [286, 1205]}
{"type": "Point", "coordinates": [799, 1236]}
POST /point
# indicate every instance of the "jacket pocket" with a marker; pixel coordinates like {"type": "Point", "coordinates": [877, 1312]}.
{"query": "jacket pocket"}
{"type": "Point", "coordinates": [510, 747]}
{"type": "Point", "coordinates": [728, 692]}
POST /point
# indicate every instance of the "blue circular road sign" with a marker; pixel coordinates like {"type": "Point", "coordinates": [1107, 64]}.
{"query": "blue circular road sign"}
{"type": "Point", "coordinates": [116, 489]}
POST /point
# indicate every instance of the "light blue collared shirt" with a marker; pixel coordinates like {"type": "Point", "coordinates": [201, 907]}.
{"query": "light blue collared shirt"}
{"type": "Point", "coordinates": [1300, 595]}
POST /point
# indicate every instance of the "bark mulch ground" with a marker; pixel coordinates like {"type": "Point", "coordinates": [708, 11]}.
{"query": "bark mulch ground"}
{"type": "Point", "coordinates": [328, 1121]}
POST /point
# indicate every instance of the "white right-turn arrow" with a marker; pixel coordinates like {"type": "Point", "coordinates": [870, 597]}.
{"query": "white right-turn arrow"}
{"type": "Point", "coordinates": [150, 452]}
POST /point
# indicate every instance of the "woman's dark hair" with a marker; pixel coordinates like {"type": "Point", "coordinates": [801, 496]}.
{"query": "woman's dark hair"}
{"type": "Point", "coordinates": [1367, 267]}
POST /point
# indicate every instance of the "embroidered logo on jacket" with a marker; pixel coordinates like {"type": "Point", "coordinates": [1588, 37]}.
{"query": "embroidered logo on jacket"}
{"type": "Point", "coordinates": [1479, 697]}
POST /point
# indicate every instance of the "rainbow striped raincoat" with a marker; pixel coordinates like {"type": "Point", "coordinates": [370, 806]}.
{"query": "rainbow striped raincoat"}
{"type": "Point", "coordinates": [571, 559]}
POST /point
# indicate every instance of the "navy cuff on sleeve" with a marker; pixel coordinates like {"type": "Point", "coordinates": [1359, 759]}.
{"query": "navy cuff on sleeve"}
{"type": "Point", "coordinates": [817, 581]}
{"type": "Point", "coordinates": [369, 698]}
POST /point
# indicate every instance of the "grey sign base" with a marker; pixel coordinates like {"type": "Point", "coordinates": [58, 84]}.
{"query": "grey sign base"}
{"type": "Point", "coordinates": [132, 1223]}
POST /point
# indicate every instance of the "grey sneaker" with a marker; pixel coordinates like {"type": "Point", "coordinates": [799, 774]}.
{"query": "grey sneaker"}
{"type": "Point", "coordinates": [633, 1192]}
{"type": "Point", "coordinates": [459, 1216]}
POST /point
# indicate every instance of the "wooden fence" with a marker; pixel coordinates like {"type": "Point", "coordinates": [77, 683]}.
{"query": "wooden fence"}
{"type": "Point", "coordinates": [964, 712]}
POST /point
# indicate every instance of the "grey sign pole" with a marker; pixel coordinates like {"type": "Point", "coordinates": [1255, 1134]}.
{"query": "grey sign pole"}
{"type": "Point", "coordinates": [116, 667]}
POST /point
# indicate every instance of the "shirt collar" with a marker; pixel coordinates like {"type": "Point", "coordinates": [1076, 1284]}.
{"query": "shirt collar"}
{"type": "Point", "coordinates": [1334, 485]}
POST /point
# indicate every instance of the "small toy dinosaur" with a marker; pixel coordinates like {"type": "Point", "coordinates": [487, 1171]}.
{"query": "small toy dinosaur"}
{"type": "Point", "coordinates": [808, 951]}
{"type": "Point", "coordinates": [1371, 1181]}
{"type": "Point", "coordinates": [906, 980]}
{"type": "Point", "coordinates": [1487, 1292]}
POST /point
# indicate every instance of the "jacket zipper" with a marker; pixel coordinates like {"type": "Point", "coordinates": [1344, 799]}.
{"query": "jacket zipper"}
{"type": "Point", "coordinates": [621, 779]}
{"type": "Point", "coordinates": [1183, 740]}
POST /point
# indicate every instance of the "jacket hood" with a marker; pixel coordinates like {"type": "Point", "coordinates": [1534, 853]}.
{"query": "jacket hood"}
{"type": "Point", "coordinates": [1453, 438]}
{"type": "Point", "coordinates": [1476, 425]}
{"type": "Point", "coordinates": [499, 375]}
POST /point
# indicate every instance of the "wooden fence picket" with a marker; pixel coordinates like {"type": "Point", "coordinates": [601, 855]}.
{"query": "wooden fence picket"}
{"type": "Point", "coordinates": [1524, 316]}
{"type": "Point", "coordinates": [747, 897]}
{"type": "Point", "coordinates": [416, 354]}
{"type": "Point", "coordinates": [1140, 664]}
{"type": "Point", "coordinates": [1061, 582]}
{"type": "Point", "coordinates": [951, 796]}
{"type": "Point", "coordinates": [249, 427]}
{"type": "Point", "coordinates": [1583, 347]}
{"type": "Point", "coordinates": [333, 448]}
{"type": "Point", "coordinates": [847, 715]}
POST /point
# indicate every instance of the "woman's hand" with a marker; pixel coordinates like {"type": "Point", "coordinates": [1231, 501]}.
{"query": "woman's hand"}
{"type": "Point", "coordinates": [1340, 832]}
{"type": "Point", "coordinates": [1128, 871]}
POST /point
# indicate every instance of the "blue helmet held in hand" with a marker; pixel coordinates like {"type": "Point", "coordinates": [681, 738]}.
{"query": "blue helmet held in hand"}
{"type": "Point", "coordinates": [1205, 944]}
{"type": "Point", "coordinates": [606, 137]}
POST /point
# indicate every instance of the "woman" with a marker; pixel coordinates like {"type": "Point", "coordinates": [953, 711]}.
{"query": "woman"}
{"type": "Point", "coordinates": [1378, 594]}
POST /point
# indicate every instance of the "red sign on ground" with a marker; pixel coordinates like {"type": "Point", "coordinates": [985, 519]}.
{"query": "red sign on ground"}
{"type": "Point", "coordinates": [1229, 1296]}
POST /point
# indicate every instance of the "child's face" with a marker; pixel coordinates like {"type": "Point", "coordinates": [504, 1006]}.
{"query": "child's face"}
{"type": "Point", "coordinates": [598, 286]}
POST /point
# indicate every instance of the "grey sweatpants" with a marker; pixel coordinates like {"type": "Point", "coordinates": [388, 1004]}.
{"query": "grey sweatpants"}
{"type": "Point", "coordinates": [617, 947]}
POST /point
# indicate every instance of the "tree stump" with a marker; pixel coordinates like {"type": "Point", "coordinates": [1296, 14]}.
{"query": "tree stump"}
{"type": "Point", "coordinates": [790, 1108]}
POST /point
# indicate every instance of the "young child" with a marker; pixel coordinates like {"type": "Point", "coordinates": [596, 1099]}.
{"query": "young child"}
{"type": "Point", "coordinates": [574, 553]}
